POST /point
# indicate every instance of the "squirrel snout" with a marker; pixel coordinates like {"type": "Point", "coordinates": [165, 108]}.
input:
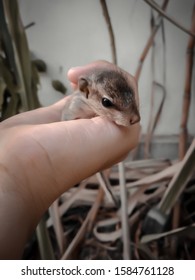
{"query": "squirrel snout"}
{"type": "Point", "coordinates": [134, 118]}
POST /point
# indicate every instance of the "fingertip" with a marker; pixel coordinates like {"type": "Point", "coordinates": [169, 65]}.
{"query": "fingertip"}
{"type": "Point", "coordinates": [73, 74]}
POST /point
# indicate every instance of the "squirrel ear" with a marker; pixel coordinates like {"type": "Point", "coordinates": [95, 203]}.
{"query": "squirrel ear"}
{"type": "Point", "coordinates": [83, 85]}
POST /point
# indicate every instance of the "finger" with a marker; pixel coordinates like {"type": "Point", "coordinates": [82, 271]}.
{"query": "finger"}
{"type": "Point", "coordinates": [39, 116]}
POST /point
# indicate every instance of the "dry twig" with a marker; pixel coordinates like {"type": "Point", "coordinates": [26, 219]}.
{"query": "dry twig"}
{"type": "Point", "coordinates": [153, 121]}
{"type": "Point", "coordinates": [161, 12]}
{"type": "Point", "coordinates": [150, 41]}
{"type": "Point", "coordinates": [110, 29]}
{"type": "Point", "coordinates": [187, 91]}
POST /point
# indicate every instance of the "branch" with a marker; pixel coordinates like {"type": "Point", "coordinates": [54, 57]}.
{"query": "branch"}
{"type": "Point", "coordinates": [161, 12]}
{"type": "Point", "coordinates": [150, 41]}
{"type": "Point", "coordinates": [187, 91]}
{"type": "Point", "coordinates": [110, 30]}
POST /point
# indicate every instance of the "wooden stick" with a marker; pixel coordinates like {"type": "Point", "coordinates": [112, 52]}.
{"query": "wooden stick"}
{"type": "Point", "coordinates": [154, 117]}
{"type": "Point", "coordinates": [150, 42]}
{"type": "Point", "coordinates": [162, 13]}
{"type": "Point", "coordinates": [187, 92]}
{"type": "Point", "coordinates": [57, 225]}
{"type": "Point", "coordinates": [110, 30]}
{"type": "Point", "coordinates": [124, 213]}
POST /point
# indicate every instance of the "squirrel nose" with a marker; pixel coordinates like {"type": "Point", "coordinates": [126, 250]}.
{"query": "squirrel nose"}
{"type": "Point", "coordinates": [134, 119]}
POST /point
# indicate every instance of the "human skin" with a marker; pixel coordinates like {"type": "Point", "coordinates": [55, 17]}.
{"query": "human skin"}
{"type": "Point", "coordinates": [42, 157]}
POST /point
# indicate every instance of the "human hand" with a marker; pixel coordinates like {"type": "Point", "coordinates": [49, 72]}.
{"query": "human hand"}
{"type": "Point", "coordinates": [41, 157]}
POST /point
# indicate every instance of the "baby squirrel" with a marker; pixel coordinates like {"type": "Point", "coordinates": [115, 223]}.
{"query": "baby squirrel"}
{"type": "Point", "coordinates": [105, 93]}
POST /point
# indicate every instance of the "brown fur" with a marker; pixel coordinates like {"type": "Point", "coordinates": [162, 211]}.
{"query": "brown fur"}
{"type": "Point", "coordinates": [112, 85]}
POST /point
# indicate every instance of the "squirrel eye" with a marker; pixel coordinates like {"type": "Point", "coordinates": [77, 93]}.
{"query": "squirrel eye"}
{"type": "Point", "coordinates": [106, 102]}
